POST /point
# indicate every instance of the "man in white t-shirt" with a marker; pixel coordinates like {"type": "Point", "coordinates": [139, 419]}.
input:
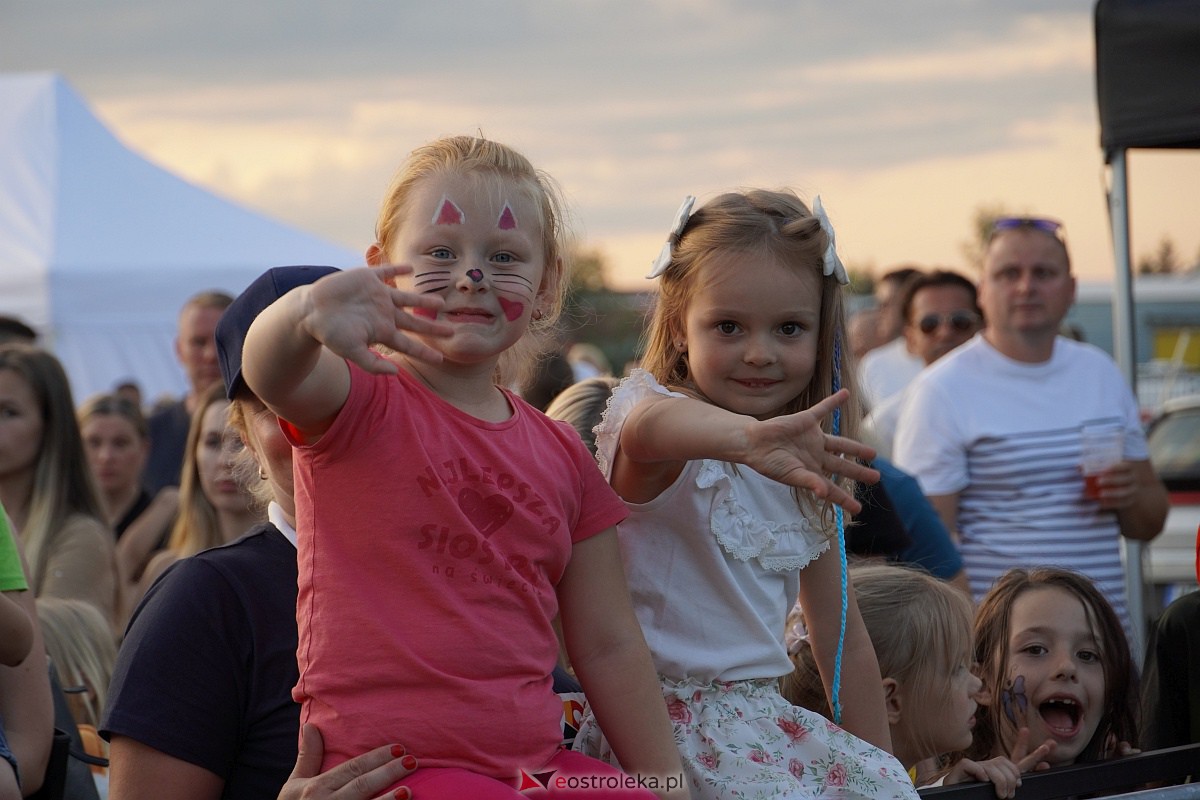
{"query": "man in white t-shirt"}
{"type": "Point", "coordinates": [992, 430]}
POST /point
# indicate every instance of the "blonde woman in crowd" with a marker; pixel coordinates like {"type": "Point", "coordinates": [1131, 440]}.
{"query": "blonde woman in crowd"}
{"type": "Point", "coordinates": [215, 505]}
{"type": "Point", "coordinates": [45, 484]}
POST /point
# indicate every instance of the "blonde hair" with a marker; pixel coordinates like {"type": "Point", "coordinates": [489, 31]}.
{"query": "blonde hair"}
{"type": "Point", "coordinates": [771, 223]}
{"type": "Point", "coordinates": [469, 155]}
{"type": "Point", "coordinates": [62, 482]}
{"type": "Point", "coordinates": [920, 628]}
{"type": "Point", "coordinates": [197, 526]}
{"type": "Point", "coordinates": [246, 468]}
{"type": "Point", "coordinates": [82, 648]}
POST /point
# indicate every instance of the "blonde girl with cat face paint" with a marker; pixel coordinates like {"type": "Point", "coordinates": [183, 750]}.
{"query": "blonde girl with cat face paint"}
{"type": "Point", "coordinates": [442, 521]}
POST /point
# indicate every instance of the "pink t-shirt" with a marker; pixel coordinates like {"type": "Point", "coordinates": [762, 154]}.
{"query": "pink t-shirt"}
{"type": "Point", "coordinates": [430, 545]}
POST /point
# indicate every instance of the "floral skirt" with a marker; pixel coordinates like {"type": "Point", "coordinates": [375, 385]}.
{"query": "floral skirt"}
{"type": "Point", "coordinates": [741, 740]}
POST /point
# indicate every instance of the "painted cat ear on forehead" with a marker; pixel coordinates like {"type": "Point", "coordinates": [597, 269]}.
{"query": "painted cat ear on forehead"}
{"type": "Point", "coordinates": [448, 213]}
{"type": "Point", "coordinates": [507, 220]}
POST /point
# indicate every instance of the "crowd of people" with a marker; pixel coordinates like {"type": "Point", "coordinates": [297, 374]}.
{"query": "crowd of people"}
{"type": "Point", "coordinates": [793, 552]}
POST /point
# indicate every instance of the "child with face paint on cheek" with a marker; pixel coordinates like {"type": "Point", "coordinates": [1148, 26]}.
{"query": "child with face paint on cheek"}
{"type": "Point", "coordinates": [1056, 668]}
{"type": "Point", "coordinates": [920, 628]}
{"type": "Point", "coordinates": [442, 522]}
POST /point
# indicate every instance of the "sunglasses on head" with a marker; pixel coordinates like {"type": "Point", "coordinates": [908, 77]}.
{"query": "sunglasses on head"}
{"type": "Point", "coordinates": [1043, 224]}
{"type": "Point", "coordinates": [961, 321]}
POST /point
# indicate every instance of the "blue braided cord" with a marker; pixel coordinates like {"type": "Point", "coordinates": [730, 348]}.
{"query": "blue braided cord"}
{"type": "Point", "coordinates": [841, 537]}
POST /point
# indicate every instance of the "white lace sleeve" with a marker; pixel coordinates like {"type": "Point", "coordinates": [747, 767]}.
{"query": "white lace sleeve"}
{"type": "Point", "coordinates": [756, 518]}
{"type": "Point", "coordinates": [629, 393]}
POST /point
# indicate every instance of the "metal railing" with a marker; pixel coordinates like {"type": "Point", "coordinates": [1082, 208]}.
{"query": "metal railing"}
{"type": "Point", "coordinates": [1130, 775]}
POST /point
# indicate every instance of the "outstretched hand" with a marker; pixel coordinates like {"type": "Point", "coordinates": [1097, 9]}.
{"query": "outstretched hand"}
{"type": "Point", "coordinates": [351, 310]}
{"type": "Point", "coordinates": [1030, 760]}
{"type": "Point", "coordinates": [793, 450]}
{"type": "Point", "coordinates": [360, 778]}
{"type": "Point", "coordinates": [1002, 773]}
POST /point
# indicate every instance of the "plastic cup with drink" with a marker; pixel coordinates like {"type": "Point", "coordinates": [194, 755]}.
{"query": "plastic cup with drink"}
{"type": "Point", "coordinates": [1102, 447]}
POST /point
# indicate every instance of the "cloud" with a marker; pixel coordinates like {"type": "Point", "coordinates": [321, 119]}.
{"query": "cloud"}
{"type": "Point", "coordinates": [303, 108]}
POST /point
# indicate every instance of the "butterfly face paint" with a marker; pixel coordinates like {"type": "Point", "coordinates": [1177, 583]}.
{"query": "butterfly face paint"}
{"type": "Point", "coordinates": [448, 213]}
{"type": "Point", "coordinates": [1014, 701]}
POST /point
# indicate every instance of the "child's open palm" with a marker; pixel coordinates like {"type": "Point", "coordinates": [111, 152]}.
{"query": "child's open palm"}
{"type": "Point", "coordinates": [793, 450]}
{"type": "Point", "coordinates": [352, 310]}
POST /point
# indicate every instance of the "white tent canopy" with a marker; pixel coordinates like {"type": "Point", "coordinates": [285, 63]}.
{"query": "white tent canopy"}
{"type": "Point", "coordinates": [99, 248]}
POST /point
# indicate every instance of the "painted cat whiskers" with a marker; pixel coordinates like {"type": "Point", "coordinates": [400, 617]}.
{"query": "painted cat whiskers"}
{"type": "Point", "coordinates": [519, 289]}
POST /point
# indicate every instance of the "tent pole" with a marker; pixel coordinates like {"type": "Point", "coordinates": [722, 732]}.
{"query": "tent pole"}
{"type": "Point", "coordinates": [1126, 356]}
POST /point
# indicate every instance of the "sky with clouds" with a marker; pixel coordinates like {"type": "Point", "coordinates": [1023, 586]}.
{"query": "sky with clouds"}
{"type": "Point", "coordinates": [906, 117]}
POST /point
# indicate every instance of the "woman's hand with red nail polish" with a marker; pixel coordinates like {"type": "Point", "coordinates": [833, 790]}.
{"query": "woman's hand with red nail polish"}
{"type": "Point", "coordinates": [360, 778]}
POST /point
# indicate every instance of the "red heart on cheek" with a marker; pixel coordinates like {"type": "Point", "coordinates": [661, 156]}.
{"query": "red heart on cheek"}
{"type": "Point", "coordinates": [512, 308]}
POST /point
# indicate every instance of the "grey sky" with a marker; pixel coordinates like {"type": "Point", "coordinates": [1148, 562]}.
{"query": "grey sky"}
{"type": "Point", "coordinates": [629, 104]}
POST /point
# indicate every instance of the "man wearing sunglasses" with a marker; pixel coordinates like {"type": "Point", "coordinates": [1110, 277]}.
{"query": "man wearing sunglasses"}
{"type": "Point", "coordinates": [940, 311]}
{"type": "Point", "coordinates": [993, 430]}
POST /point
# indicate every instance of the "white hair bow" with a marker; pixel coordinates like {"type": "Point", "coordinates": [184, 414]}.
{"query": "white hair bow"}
{"type": "Point", "coordinates": [833, 264]}
{"type": "Point", "coordinates": [668, 249]}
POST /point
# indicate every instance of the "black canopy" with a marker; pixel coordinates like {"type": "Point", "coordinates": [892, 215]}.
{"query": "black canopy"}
{"type": "Point", "coordinates": [1148, 73]}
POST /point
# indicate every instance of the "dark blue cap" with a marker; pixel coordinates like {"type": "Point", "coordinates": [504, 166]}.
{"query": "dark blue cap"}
{"type": "Point", "coordinates": [231, 328]}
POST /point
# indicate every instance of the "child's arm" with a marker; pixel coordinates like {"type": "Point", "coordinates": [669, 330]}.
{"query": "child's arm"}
{"type": "Point", "coordinates": [16, 631]}
{"type": "Point", "coordinates": [610, 657]}
{"type": "Point", "coordinates": [9, 790]}
{"type": "Point", "coordinates": [861, 692]}
{"type": "Point", "coordinates": [26, 704]}
{"type": "Point", "coordinates": [295, 351]}
{"type": "Point", "coordinates": [663, 432]}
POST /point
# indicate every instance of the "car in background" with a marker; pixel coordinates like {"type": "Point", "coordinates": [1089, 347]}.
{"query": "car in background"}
{"type": "Point", "coordinates": [1173, 438]}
